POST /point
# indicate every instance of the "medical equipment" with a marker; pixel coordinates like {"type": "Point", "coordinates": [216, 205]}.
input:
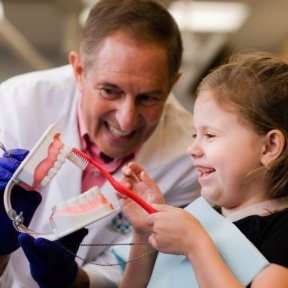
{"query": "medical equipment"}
{"type": "Point", "coordinates": [38, 169]}
{"type": "Point", "coordinates": [2, 147]}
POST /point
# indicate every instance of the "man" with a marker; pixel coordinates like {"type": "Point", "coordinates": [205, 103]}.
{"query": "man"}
{"type": "Point", "coordinates": [112, 102]}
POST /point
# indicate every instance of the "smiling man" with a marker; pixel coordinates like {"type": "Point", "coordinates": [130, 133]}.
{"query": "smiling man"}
{"type": "Point", "coordinates": [113, 102]}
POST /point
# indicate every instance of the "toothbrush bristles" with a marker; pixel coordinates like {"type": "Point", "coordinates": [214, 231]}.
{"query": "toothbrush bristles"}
{"type": "Point", "coordinates": [78, 161]}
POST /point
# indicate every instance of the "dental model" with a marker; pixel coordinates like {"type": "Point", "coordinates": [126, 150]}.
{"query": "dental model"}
{"type": "Point", "coordinates": [39, 168]}
{"type": "Point", "coordinates": [42, 163]}
{"type": "Point", "coordinates": [78, 212]}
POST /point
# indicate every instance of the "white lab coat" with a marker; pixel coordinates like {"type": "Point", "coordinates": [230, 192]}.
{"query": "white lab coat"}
{"type": "Point", "coordinates": [29, 104]}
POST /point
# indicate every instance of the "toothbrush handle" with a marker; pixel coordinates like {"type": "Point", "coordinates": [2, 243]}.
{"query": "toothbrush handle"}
{"type": "Point", "coordinates": [131, 194]}
{"type": "Point", "coordinates": [118, 186]}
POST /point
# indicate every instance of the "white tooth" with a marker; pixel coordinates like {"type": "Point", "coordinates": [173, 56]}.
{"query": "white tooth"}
{"type": "Point", "coordinates": [57, 165]}
{"type": "Point", "coordinates": [44, 181]}
{"type": "Point", "coordinates": [61, 158]}
{"type": "Point", "coordinates": [95, 191]}
{"type": "Point", "coordinates": [90, 195]}
{"type": "Point", "coordinates": [82, 197]}
{"type": "Point", "coordinates": [52, 172]}
{"type": "Point", "coordinates": [61, 205]}
{"type": "Point", "coordinates": [72, 201]}
{"type": "Point", "coordinates": [65, 151]}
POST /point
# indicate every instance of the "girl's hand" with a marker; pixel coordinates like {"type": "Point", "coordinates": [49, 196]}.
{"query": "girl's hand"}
{"type": "Point", "coordinates": [135, 178]}
{"type": "Point", "coordinates": [174, 230]}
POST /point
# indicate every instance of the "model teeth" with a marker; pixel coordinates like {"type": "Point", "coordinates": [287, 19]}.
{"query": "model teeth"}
{"type": "Point", "coordinates": [61, 158]}
{"type": "Point", "coordinates": [79, 212]}
{"type": "Point", "coordinates": [45, 181]}
{"type": "Point", "coordinates": [79, 203]}
{"type": "Point", "coordinates": [52, 172]}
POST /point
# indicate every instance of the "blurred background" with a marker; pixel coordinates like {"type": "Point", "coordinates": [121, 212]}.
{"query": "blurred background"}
{"type": "Point", "coordinates": [38, 34]}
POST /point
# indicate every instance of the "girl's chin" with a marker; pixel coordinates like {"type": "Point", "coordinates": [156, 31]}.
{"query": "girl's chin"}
{"type": "Point", "coordinates": [209, 196]}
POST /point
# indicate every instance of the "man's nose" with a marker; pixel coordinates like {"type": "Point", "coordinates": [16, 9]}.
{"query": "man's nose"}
{"type": "Point", "coordinates": [127, 115]}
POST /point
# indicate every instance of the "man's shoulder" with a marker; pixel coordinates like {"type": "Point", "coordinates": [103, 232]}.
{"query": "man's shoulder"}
{"type": "Point", "coordinates": [31, 80]}
{"type": "Point", "coordinates": [176, 116]}
{"type": "Point", "coordinates": [55, 82]}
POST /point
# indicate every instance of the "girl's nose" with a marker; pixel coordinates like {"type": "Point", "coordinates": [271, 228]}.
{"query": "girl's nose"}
{"type": "Point", "coordinates": [194, 151]}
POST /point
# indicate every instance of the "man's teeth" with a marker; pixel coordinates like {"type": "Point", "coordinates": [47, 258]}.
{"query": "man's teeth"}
{"type": "Point", "coordinates": [118, 133]}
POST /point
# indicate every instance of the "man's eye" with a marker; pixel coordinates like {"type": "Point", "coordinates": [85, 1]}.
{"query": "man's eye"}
{"type": "Point", "coordinates": [109, 93]}
{"type": "Point", "coordinates": [209, 135]}
{"type": "Point", "coordinates": [148, 100]}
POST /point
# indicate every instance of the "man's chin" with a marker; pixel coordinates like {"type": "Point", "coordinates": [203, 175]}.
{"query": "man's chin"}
{"type": "Point", "coordinates": [119, 154]}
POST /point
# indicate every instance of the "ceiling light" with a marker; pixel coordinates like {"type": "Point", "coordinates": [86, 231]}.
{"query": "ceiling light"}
{"type": "Point", "coordinates": [208, 17]}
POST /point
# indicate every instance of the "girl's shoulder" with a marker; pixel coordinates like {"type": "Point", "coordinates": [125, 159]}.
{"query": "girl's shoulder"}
{"type": "Point", "coordinates": [269, 234]}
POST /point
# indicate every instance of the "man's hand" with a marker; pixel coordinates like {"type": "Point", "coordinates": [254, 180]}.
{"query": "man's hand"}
{"type": "Point", "coordinates": [52, 263]}
{"type": "Point", "coordinates": [21, 200]}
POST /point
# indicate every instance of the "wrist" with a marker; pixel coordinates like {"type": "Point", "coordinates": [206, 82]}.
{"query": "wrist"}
{"type": "Point", "coordinates": [195, 251]}
{"type": "Point", "coordinates": [81, 280]}
{"type": "Point", "coordinates": [140, 237]}
{"type": "Point", "coordinates": [3, 263]}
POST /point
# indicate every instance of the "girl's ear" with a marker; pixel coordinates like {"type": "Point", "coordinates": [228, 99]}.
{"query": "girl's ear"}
{"type": "Point", "coordinates": [274, 145]}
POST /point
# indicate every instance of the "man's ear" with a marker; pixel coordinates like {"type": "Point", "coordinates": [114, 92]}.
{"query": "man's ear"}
{"type": "Point", "coordinates": [274, 145]}
{"type": "Point", "coordinates": [76, 63]}
{"type": "Point", "coordinates": [178, 76]}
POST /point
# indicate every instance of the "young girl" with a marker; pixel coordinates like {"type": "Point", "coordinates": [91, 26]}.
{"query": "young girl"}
{"type": "Point", "coordinates": [241, 153]}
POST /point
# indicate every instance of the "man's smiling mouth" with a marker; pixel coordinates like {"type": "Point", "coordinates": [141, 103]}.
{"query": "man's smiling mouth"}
{"type": "Point", "coordinates": [118, 133]}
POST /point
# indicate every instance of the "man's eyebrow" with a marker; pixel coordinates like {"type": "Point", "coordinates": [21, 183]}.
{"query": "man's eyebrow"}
{"type": "Point", "coordinates": [156, 93]}
{"type": "Point", "coordinates": [110, 85]}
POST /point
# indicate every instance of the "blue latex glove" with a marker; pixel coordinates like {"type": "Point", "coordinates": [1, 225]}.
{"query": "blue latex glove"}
{"type": "Point", "coordinates": [50, 264]}
{"type": "Point", "coordinates": [21, 200]}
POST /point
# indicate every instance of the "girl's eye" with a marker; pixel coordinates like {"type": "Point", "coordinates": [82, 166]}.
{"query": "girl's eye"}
{"type": "Point", "coordinates": [209, 135]}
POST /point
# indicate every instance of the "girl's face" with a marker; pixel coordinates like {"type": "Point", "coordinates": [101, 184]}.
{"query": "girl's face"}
{"type": "Point", "coordinates": [226, 152]}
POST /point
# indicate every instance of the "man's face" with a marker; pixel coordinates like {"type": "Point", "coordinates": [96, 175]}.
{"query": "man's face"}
{"type": "Point", "coordinates": [123, 93]}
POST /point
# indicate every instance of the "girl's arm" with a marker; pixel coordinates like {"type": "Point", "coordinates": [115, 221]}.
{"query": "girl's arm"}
{"type": "Point", "coordinates": [176, 231]}
{"type": "Point", "coordinates": [272, 276]}
{"type": "Point", "coordinates": [138, 272]}
{"type": "Point", "coordinates": [212, 272]}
